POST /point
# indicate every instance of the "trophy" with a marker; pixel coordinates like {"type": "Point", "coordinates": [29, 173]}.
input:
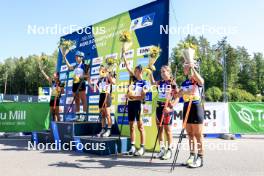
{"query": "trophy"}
{"type": "Point", "coordinates": [189, 53]}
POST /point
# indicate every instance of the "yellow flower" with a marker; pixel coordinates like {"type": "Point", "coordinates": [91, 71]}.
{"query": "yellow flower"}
{"type": "Point", "coordinates": [125, 36]}
{"type": "Point", "coordinates": [154, 52]}
{"type": "Point", "coordinates": [66, 44]}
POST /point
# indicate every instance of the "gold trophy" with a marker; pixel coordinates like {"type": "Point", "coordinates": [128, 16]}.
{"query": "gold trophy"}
{"type": "Point", "coordinates": [189, 52]}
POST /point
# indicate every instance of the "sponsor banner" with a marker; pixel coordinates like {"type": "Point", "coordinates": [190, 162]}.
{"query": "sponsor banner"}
{"type": "Point", "coordinates": [93, 109]}
{"type": "Point", "coordinates": [69, 91]}
{"type": "Point", "coordinates": [123, 76]}
{"type": "Point", "coordinates": [95, 70]}
{"type": "Point", "coordinates": [70, 83]}
{"type": "Point", "coordinates": [121, 108]}
{"type": "Point", "coordinates": [69, 100]}
{"type": "Point", "coordinates": [93, 99]}
{"type": "Point", "coordinates": [71, 74]}
{"type": "Point", "coordinates": [93, 118]}
{"type": "Point", "coordinates": [148, 96]}
{"type": "Point", "coordinates": [44, 91]}
{"type": "Point", "coordinates": [246, 117]}
{"type": "Point", "coordinates": [94, 79]}
{"type": "Point", "coordinates": [216, 118]}
{"type": "Point", "coordinates": [97, 61]}
{"type": "Point", "coordinates": [121, 98]}
{"type": "Point", "coordinates": [143, 50]}
{"type": "Point", "coordinates": [143, 61]}
{"type": "Point", "coordinates": [147, 121]}
{"type": "Point", "coordinates": [24, 117]}
{"type": "Point", "coordinates": [141, 22]}
{"type": "Point", "coordinates": [129, 54]}
{"type": "Point", "coordinates": [112, 109]}
{"type": "Point", "coordinates": [125, 120]}
{"type": "Point", "coordinates": [147, 109]}
{"type": "Point", "coordinates": [61, 109]}
{"type": "Point", "coordinates": [63, 76]}
{"type": "Point", "coordinates": [64, 68]}
{"type": "Point", "coordinates": [122, 65]}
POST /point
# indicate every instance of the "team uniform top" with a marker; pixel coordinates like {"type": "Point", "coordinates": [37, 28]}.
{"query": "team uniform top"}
{"type": "Point", "coordinates": [188, 85]}
{"type": "Point", "coordinates": [137, 87]}
{"type": "Point", "coordinates": [104, 85]}
{"type": "Point", "coordinates": [164, 87]}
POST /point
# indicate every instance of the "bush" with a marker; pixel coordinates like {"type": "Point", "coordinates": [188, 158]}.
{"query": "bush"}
{"type": "Point", "coordinates": [213, 94]}
{"type": "Point", "coordinates": [240, 95]}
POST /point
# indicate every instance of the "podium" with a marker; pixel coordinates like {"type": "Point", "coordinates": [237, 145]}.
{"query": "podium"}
{"type": "Point", "coordinates": [83, 137]}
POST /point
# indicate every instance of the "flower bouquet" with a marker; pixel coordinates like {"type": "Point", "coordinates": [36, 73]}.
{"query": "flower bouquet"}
{"type": "Point", "coordinates": [125, 39]}
{"type": "Point", "coordinates": [65, 46]}
{"type": "Point", "coordinates": [154, 54]}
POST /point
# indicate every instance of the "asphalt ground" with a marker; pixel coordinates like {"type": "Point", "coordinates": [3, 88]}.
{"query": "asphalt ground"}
{"type": "Point", "coordinates": [244, 156]}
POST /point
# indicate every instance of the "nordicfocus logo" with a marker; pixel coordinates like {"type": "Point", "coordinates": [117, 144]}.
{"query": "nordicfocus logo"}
{"type": "Point", "coordinates": [246, 116]}
{"type": "Point", "coordinates": [58, 145]}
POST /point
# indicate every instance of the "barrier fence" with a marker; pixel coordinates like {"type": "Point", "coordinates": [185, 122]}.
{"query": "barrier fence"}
{"type": "Point", "coordinates": [219, 118]}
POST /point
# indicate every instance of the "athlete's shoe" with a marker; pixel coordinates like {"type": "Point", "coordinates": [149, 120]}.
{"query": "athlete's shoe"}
{"type": "Point", "coordinates": [191, 159]}
{"type": "Point", "coordinates": [101, 133]}
{"type": "Point", "coordinates": [81, 118]}
{"type": "Point", "coordinates": [198, 162]}
{"type": "Point", "coordinates": [140, 152]}
{"type": "Point", "coordinates": [168, 155]}
{"type": "Point", "coordinates": [107, 133]}
{"type": "Point", "coordinates": [132, 150]}
{"type": "Point", "coordinates": [160, 154]}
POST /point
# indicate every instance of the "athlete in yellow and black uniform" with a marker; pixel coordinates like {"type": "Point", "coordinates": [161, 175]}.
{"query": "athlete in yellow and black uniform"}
{"type": "Point", "coordinates": [57, 88]}
{"type": "Point", "coordinates": [136, 95]}
{"type": "Point", "coordinates": [191, 88]}
{"type": "Point", "coordinates": [105, 88]}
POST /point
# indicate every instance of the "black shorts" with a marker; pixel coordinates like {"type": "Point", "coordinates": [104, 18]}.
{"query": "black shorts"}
{"type": "Point", "coordinates": [196, 115]}
{"type": "Point", "coordinates": [76, 85]}
{"type": "Point", "coordinates": [167, 119]}
{"type": "Point", "coordinates": [108, 100]}
{"type": "Point", "coordinates": [134, 110]}
{"type": "Point", "coordinates": [52, 100]}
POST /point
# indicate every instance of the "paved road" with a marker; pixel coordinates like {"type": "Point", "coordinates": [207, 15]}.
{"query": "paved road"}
{"type": "Point", "coordinates": [229, 158]}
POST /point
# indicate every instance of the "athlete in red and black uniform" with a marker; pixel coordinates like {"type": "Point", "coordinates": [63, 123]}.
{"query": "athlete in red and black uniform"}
{"type": "Point", "coordinates": [166, 90]}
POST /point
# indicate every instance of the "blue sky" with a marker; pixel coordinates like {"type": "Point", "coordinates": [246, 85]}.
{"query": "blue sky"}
{"type": "Point", "coordinates": [241, 19]}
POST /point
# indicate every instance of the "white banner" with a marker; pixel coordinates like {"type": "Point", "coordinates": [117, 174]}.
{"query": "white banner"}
{"type": "Point", "coordinates": [216, 118]}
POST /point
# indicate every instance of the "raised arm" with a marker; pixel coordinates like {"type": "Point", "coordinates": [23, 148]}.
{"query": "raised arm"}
{"type": "Point", "coordinates": [151, 78]}
{"type": "Point", "coordinates": [197, 77]}
{"type": "Point", "coordinates": [127, 67]}
{"type": "Point", "coordinates": [112, 80]}
{"type": "Point", "coordinates": [67, 63]}
{"type": "Point", "coordinates": [45, 75]}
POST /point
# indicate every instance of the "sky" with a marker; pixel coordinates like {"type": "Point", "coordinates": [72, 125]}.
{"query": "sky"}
{"type": "Point", "coordinates": [240, 20]}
